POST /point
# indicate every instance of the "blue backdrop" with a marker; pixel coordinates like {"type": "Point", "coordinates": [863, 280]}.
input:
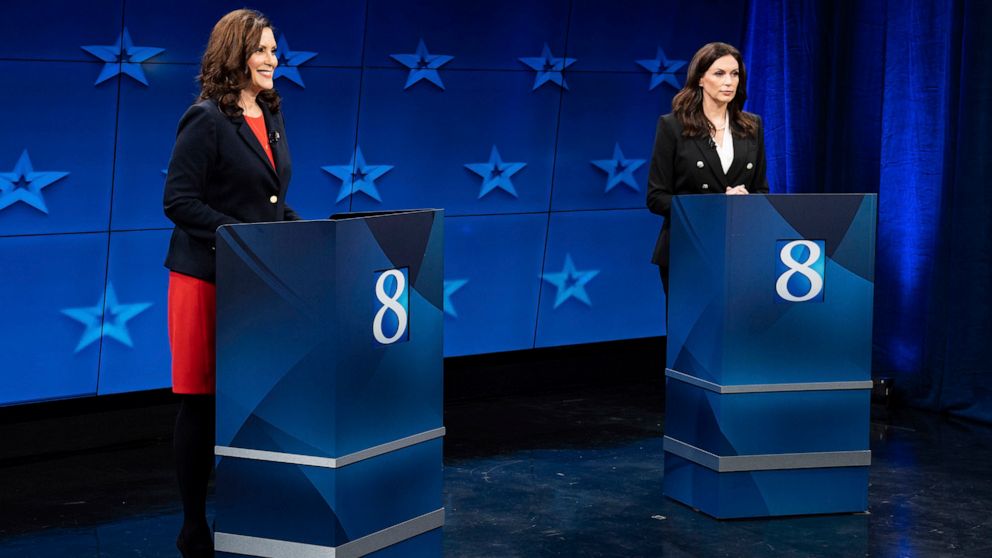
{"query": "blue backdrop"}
{"type": "Point", "coordinates": [894, 98]}
{"type": "Point", "coordinates": [561, 96]}
{"type": "Point", "coordinates": [870, 96]}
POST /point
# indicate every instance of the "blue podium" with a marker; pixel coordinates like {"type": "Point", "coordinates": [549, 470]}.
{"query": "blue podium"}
{"type": "Point", "coordinates": [768, 376]}
{"type": "Point", "coordinates": [329, 387]}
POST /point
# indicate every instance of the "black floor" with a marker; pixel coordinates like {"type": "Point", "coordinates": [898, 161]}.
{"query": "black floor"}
{"type": "Point", "coordinates": [532, 468]}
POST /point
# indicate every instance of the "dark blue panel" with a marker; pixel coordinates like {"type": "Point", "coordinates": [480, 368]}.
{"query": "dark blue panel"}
{"type": "Point", "coordinates": [332, 30]}
{"type": "Point", "coordinates": [614, 35]}
{"type": "Point", "coordinates": [299, 323]}
{"type": "Point", "coordinates": [490, 35]}
{"type": "Point", "coordinates": [486, 311]}
{"type": "Point", "coordinates": [766, 493]}
{"type": "Point", "coordinates": [320, 124]}
{"type": "Point", "coordinates": [59, 136]}
{"type": "Point", "coordinates": [767, 423]}
{"type": "Point", "coordinates": [138, 356]}
{"type": "Point", "coordinates": [146, 133]}
{"type": "Point", "coordinates": [737, 331]}
{"type": "Point", "coordinates": [56, 31]}
{"type": "Point", "coordinates": [598, 281]}
{"type": "Point", "coordinates": [600, 113]}
{"type": "Point", "coordinates": [429, 135]}
{"type": "Point", "coordinates": [41, 346]}
{"type": "Point", "coordinates": [328, 506]}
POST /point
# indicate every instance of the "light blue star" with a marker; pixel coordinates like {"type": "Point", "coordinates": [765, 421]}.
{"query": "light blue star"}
{"type": "Point", "coordinates": [122, 57]}
{"type": "Point", "coordinates": [548, 68]}
{"type": "Point", "coordinates": [357, 176]}
{"type": "Point", "coordinates": [619, 170]}
{"type": "Point", "coordinates": [662, 70]}
{"type": "Point", "coordinates": [571, 283]}
{"type": "Point", "coordinates": [24, 184]}
{"type": "Point", "coordinates": [108, 318]}
{"type": "Point", "coordinates": [495, 174]}
{"type": "Point", "coordinates": [450, 287]}
{"type": "Point", "coordinates": [289, 60]}
{"type": "Point", "coordinates": [423, 65]}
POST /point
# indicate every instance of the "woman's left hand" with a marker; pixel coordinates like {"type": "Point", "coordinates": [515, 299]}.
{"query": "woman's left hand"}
{"type": "Point", "coordinates": [738, 190]}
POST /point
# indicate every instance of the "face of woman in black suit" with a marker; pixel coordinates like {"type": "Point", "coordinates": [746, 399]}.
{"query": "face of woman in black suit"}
{"type": "Point", "coordinates": [262, 63]}
{"type": "Point", "coordinates": [720, 81]}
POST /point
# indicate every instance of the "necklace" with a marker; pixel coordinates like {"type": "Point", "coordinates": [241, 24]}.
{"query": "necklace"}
{"type": "Point", "coordinates": [722, 125]}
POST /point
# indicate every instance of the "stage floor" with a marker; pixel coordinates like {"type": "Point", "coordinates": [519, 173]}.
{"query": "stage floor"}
{"type": "Point", "coordinates": [566, 472]}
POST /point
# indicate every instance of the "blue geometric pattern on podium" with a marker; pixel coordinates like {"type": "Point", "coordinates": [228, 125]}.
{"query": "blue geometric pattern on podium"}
{"type": "Point", "coordinates": [767, 401]}
{"type": "Point", "coordinates": [325, 437]}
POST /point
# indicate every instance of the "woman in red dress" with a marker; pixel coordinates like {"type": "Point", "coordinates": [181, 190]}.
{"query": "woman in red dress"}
{"type": "Point", "coordinates": [230, 165]}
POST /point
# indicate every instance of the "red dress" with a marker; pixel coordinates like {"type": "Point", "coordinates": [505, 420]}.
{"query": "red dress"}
{"type": "Point", "coordinates": [193, 316]}
{"type": "Point", "coordinates": [192, 329]}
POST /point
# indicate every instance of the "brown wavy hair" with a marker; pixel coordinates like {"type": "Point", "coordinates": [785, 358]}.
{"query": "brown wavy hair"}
{"type": "Point", "coordinates": [224, 68]}
{"type": "Point", "coordinates": [687, 105]}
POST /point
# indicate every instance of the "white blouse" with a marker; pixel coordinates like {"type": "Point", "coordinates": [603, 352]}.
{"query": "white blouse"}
{"type": "Point", "coordinates": [726, 150]}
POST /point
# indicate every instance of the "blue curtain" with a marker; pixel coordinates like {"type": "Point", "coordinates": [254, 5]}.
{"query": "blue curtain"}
{"type": "Point", "coordinates": [895, 98]}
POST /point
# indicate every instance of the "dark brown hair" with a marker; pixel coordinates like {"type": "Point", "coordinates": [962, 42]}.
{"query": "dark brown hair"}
{"type": "Point", "coordinates": [224, 68]}
{"type": "Point", "coordinates": [688, 103]}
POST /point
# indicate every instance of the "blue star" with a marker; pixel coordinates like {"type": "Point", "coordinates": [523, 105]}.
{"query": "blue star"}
{"type": "Point", "coordinates": [662, 70]}
{"type": "Point", "coordinates": [23, 184]}
{"type": "Point", "coordinates": [122, 57]}
{"type": "Point", "coordinates": [450, 287]}
{"type": "Point", "coordinates": [423, 65]}
{"type": "Point", "coordinates": [108, 318]}
{"type": "Point", "coordinates": [619, 169]}
{"type": "Point", "coordinates": [495, 173]}
{"type": "Point", "coordinates": [570, 282]}
{"type": "Point", "coordinates": [289, 60]}
{"type": "Point", "coordinates": [357, 176]}
{"type": "Point", "coordinates": [548, 68]}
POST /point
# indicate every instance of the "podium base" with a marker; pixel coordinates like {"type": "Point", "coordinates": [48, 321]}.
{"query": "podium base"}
{"type": "Point", "coordinates": [766, 493]}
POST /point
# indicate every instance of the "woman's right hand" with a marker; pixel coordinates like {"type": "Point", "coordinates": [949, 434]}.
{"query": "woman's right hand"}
{"type": "Point", "coordinates": [738, 190]}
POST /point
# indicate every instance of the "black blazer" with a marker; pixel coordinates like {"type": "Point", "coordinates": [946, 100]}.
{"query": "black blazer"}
{"type": "Point", "coordinates": [691, 166]}
{"type": "Point", "coordinates": [219, 175]}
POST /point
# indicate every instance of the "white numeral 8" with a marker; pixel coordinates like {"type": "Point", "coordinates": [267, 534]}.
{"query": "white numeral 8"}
{"type": "Point", "coordinates": [815, 281]}
{"type": "Point", "coordinates": [390, 303]}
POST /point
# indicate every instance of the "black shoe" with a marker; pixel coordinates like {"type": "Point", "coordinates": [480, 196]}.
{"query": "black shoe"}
{"type": "Point", "coordinates": [193, 545]}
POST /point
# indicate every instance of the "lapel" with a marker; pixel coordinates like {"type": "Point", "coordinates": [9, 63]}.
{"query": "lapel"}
{"type": "Point", "coordinates": [279, 147]}
{"type": "Point", "coordinates": [249, 137]}
{"type": "Point", "coordinates": [712, 161]}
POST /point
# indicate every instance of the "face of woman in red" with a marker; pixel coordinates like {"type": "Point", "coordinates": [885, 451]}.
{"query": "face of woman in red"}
{"type": "Point", "coordinates": [262, 63]}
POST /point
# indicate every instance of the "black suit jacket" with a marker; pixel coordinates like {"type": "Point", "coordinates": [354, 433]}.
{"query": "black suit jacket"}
{"type": "Point", "coordinates": [691, 166]}
{"type": "Point", "coordinates": [219, 175]}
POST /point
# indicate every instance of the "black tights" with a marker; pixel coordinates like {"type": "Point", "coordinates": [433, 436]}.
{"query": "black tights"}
{"type": "Point", "coordinates": [194, 447]}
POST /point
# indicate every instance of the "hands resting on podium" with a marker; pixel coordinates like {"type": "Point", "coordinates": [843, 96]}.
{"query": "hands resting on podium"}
{"type": "Point", "coordinates": [738, 190]}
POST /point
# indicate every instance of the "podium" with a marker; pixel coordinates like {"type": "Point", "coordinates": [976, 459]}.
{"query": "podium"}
{"type": "Point", "coordinates": [768, 377]}
{"type": "Point", "coordinates": [329, 387]}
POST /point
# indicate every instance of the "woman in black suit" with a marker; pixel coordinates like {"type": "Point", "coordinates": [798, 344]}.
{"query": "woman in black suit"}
{"type": "Point", "coordinates": [230, 165]}
{"type": "Point", "coordinates": [707, 144]}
